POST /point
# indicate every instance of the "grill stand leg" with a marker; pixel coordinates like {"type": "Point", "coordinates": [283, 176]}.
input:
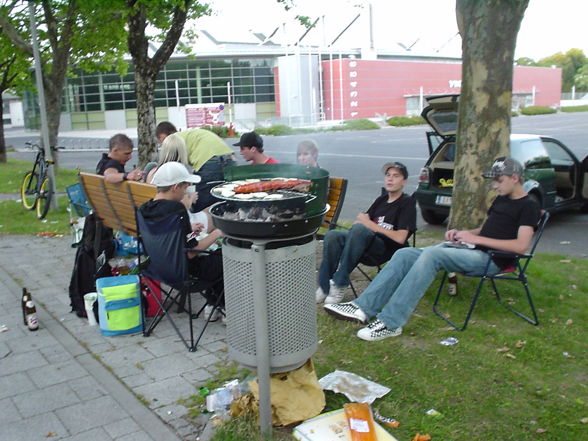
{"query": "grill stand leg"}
{"type": "Point", "coordinates": [262, 339]}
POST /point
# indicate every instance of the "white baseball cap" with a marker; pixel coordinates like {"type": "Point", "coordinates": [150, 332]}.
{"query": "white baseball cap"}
{"type": "Point", "coordinates": [172, 173]}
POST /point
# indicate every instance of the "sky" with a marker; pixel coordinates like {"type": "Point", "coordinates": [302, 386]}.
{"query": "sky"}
{"type": "Point", "coordinates": [426, 26]}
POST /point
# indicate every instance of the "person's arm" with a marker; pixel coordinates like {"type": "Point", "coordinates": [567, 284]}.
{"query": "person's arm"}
{"type": "Point", "coordinates": [112, 175]}
{"type": "Point", "coordinates": [206, 242]}
{"type": "Point", "coordinates": [450, 234]}
{"type": "Point", "coordinates": [518, 245]}
{"type": "Point", "coordinates": [399, 236]}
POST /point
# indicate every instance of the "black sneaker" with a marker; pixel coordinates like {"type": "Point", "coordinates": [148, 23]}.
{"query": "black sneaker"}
{"type": "Point", "coordinates": [377, 330]}
{"type": "Point", "coordinates": [346, 311]}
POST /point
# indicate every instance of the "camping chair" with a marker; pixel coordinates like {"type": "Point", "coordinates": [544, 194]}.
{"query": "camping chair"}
{"type": "Point", "coordinates": [164, 242]}
{"type": "Point", "coordinates": [78, 209]}
{"type": "Point", "coordinates": [517, 273]}
{"type": "Point", "coordinates": [335, 198]}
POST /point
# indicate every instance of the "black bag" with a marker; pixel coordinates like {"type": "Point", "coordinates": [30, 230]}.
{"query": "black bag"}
{"type": "Point", "coordinates": [85, 270]}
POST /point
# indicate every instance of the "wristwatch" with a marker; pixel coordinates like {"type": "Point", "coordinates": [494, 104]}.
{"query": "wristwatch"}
{"type": "Point", "coordinates": [125, 176]}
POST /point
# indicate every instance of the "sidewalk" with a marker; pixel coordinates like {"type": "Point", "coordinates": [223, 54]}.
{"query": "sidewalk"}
{"type": "Point", "coordinates": [68, 382]}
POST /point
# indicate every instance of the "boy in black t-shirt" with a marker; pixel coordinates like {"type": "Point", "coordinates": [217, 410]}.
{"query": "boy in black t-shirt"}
{"type": "Point", "coordinates": [376, 235]}
{"type": "Point", "coordinates": [395, 291]}
{"type": "Point", "coordinates": [112, 164]}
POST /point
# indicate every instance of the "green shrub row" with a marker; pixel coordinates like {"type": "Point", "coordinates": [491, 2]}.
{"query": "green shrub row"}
{"type": "Point", "coordinates": [356, 124]}
{"type": "Point", "coordinates": [537, 110]}
{"type": "Point", "coordinates": [574, 109]}
{"type": "Point", "coordinates": [222, 131]}
{"type": "Point", "coordinates": [403, 121]}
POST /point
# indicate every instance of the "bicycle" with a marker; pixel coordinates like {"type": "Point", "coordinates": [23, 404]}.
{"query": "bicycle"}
{"type": "Point", "coordinates": [36, 189]}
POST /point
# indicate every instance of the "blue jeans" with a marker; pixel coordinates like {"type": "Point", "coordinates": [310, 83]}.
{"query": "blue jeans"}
{"type": "Point", "coordinates": [211, 171]}
{"type": "Point", "coordinates": [395, 291]}
{"type": "Point", "coordinates": [342, 251]}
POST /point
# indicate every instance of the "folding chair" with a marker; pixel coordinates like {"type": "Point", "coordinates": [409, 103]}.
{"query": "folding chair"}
{"type": "Point", "coordinates": [164, 242]}
{"type": "Point", "coordinates": [517, 273]}
{"type": "Point", "coordinates": [78, 209]}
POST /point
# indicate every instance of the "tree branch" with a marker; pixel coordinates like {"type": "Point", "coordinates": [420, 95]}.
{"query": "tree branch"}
{"type": "Point", "coordinates": [14, 36]}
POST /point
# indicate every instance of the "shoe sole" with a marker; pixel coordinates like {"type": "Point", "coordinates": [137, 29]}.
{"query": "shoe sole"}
{"type": "Point", "coordinates": [340, 316]}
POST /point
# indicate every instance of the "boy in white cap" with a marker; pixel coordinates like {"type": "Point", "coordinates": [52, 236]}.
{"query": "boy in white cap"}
{"type": "Point", "coordinates": [395, 291]}
{"type": "Point", "coordinates": [172, 180]}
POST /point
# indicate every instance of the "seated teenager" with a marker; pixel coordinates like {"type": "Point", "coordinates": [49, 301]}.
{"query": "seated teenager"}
{"type": "Point", "coordinates": [395, 291]}
{"type": "Point", "coordinates": [172, 180]}
{"type": "Point", "coordinates": [376, 234]}
{"type": "Point", "coordinates": [307, 153]}
{"type": "Point", "coordinates": [173, 149]}
{"type": "Point", "coordinates": [112, 164]}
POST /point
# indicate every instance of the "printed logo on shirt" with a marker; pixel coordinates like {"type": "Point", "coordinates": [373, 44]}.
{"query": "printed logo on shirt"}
{"type": "Point", "coordinates": [381, 223]}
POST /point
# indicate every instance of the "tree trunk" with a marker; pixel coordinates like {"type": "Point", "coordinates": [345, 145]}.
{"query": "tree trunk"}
{"type": "Point", "coordinates": [53, 95]}
{"type": "Point", "coordinates": [144, 88]}
{"type": "Point", "coordinates": [489, 30]}
{"type": "Point", "coordinates": [3, 158]}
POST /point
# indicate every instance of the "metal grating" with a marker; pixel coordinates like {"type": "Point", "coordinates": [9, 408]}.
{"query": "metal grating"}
{"type": "Point", "coordinates": [290, 279]}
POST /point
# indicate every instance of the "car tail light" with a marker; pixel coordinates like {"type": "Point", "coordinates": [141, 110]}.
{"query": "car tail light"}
{"type": "Point", "coordinates": [424, 175]}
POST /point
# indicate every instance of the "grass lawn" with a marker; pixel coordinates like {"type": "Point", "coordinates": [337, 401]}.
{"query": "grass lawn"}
{"type": "Point", "coordinates": [12, 172]}
{"type": "Point", "coordinates": [504, 380]}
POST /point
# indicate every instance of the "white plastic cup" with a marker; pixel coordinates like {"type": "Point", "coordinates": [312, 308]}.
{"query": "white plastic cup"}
{"type": "Point", "coordinates": [89, 300]}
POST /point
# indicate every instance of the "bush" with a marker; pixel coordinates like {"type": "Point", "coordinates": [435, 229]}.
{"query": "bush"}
{"type": "Point", "coordinates": [403, 121]}
{"type": "Point", "coordinates": [574, 109]}
{"type": "Point", "coordinates": [276, 130]}
{"type": "Point", "coordinates": [356, 124]}
{"type": "Point", "coordinates": [537, 110]}
{"type": "Point", "coordinates": [222, 131]}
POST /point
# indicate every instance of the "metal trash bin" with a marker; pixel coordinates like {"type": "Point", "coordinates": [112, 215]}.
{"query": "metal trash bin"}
{"type": "Point", "coordinates": [291, 309]}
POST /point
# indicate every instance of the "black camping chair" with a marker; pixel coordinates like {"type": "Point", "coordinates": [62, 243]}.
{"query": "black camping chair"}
{"type": "Point", "coordinates": [164, 242]}
{"type": "Point", "coordinates": [517, 273]}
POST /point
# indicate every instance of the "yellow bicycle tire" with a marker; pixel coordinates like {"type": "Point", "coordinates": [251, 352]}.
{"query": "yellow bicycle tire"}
{"type": "Point", "coordinates": [28, 190]}
{"type": "Point", "coordinates": [44, 198]}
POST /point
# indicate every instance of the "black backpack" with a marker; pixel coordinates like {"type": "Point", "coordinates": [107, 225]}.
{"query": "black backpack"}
{"type": "Point", "coordinates": [86, 270]}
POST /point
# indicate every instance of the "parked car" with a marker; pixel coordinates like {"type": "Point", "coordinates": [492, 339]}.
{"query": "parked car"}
{"type": "Point", "coordinates": [553, 175]}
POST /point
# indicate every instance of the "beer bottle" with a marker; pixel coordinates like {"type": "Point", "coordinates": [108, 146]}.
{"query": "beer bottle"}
{"type": "Point", "coordinates": [26, 296]}
{"type": "Point", "coordinates": [31, 316]}
{"type": "Point", "coordinates": [452, 284]}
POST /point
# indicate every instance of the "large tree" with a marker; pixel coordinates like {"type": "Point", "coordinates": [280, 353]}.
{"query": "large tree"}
{"type": "Point", "coordinates": [14, 77]}
{"type": "Point", "coordinates": [489, 31]}
{"type": "Point", "coordinates": [68, 37]}
{"type": "Point", "coordinates": [165, 19]}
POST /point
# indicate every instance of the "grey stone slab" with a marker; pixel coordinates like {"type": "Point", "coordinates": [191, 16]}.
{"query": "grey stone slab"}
{"type": "Point", "coordinates": [34, 428]}
{"type": "Point", "coordinates": [18, 362]}
{"type": "Point", "coordinates": [97, 434]}
{"type": "Point", "coordinates": [90, 414]}
{"type": "Point", "coordinates": [56, 373]}
{"type": "Point", "coordinates": [141, 379]}
{"type": "Point", "coordinates": [166, 392]}
{"type": "Point", "coordinates": [128, 370]}
{"type": "Point", "coordinates": [14, 384]}
{"type": "Point", "coordinates": [126, 356]}
{"type": "Point", "coordinates": [122, 427]}
{"type": "Point", "coordinates": [87, 388]}
{"type": "Point", "coordinates": [160, 346]}
{"type": "Point", "coordinates": [197, 377]}
{"type": "Point", "coordinates": [55, 354]}
{"type": "Point", "coordinates": [171, 412]}
{"type": "Point", "coordinates": [166, 367]}
{"type": "Point", "coordinates": [32, 341]}
{"type": "Point", "coordinates": [44, 400]}
{"type": "Point", "coordinates": [8, 412]}
{"type": "Point", "coordinates": [136, 436]}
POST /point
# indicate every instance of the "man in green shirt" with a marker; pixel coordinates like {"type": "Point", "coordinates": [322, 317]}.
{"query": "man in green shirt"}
{"type": "Point", "coordinates": [208, 155]}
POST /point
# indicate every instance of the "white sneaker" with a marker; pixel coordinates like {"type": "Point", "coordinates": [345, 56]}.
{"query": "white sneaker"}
{"type": "Point", "coordinates": [346, 311]}
{"type": "Point", "coordinates": [377, 330]}
{"type": "Point", "coordinates": [320, 295]}
{"type": "Point", "coordinates": [336, 294]}
{"type": "Point", "coordinates": [208, 311]}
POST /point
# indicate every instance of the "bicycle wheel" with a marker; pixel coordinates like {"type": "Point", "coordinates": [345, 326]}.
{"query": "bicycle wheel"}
{"type": "Point", "coordinates": [44, 200]}
{"type": "Point", "coordinates": [28, 190]}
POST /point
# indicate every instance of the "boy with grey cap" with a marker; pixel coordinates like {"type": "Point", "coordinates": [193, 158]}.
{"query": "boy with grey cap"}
{"type": "Point", "coordinates": [376, 234]}
{"type": "Point", "coordinates": [395, 291]}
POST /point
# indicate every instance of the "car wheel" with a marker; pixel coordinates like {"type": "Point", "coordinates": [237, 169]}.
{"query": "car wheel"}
{"type": "Point", "coordinates": [433, 218]}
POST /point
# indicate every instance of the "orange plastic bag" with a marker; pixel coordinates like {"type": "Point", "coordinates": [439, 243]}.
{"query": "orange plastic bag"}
{"type": "Point", "coordinates": [360, 421]}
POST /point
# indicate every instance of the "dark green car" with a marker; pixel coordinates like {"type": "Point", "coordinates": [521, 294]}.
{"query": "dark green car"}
{"type": "Point", "coordinates": [553, 174]}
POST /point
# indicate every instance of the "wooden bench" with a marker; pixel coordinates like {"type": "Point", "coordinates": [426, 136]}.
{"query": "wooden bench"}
{"type": "Point", "coordinates": [114, 204]}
